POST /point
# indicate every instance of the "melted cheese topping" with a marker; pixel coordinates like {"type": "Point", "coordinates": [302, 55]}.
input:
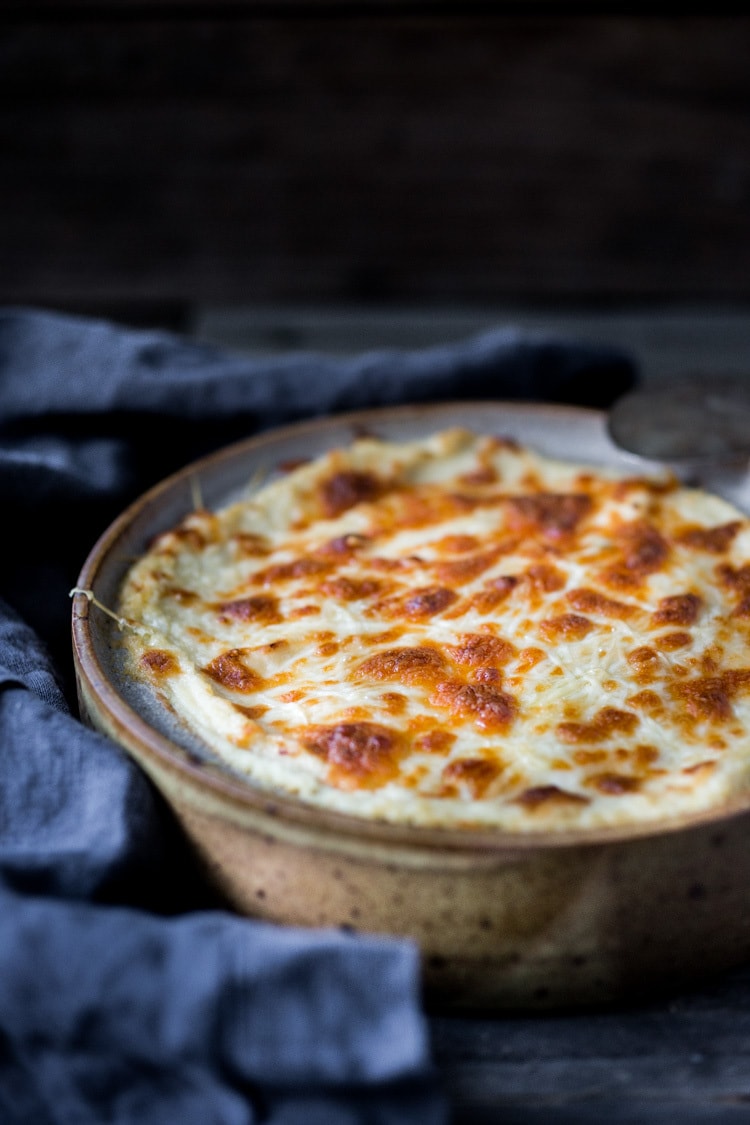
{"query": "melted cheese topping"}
{"type": "Point", "coordinates": [458, 632]}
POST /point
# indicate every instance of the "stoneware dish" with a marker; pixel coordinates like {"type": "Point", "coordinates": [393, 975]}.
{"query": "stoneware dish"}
{"type": "Point", "coordinates": [502, 921]}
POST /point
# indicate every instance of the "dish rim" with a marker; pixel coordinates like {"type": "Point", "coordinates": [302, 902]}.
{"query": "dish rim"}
{"type": "Point", "coordinates": [274, 808]}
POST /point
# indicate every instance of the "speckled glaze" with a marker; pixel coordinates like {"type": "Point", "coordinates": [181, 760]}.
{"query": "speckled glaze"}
{"type": "Point", "coordinates": [502, 921]}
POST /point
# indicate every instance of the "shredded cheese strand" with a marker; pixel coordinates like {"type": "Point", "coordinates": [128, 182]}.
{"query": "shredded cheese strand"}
{"type": "Point", "coordinates": [196, 493]}
{"type": "Point", "coordinates": [122, 622]}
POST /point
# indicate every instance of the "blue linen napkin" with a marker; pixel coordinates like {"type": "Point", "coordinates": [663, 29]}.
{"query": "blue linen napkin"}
{"type": "Point", "coordinates": [127, 993]}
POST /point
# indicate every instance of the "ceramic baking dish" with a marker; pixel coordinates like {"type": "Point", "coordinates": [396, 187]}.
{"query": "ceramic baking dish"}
{"type": "Point", "coordinates": [502, 920]}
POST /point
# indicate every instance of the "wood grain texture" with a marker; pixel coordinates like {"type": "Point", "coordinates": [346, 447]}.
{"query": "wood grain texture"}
{"type": "Point", "coordinates": [338, 156]}
{"type": "Point", "coordinates": [684, 1058]}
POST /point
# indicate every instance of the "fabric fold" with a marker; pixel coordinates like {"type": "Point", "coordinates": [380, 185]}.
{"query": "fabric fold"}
{"type": "Point", "coordinates": [150, 372]}
{"type": "Point", "coordinates": [190, 1018]}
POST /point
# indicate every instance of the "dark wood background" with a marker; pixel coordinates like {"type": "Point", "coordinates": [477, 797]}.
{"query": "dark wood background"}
{"type": "Point", "coordinates": [155, 157]}
{"type": "Point", "coordinates": [683, 1059]}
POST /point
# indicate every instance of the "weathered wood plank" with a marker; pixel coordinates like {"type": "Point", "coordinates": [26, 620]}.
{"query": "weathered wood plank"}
{"type": "Point", "coordinates": [401, 157]}
{"type": "Point", "coordinates": [686, 1059]}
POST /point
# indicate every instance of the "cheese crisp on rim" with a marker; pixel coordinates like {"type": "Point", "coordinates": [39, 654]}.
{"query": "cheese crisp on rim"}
{"type": "Point", "coordinates": [458, 632]}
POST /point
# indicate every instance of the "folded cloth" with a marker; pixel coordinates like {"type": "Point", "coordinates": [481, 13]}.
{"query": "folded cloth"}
{"type": "Point", "coordinates": [127, 994]}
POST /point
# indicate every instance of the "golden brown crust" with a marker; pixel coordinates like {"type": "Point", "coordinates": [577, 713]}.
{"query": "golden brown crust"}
{"type": "Point", "coordinates": [459, 632]}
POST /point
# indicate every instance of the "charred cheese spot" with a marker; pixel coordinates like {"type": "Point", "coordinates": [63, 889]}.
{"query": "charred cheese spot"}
{"type": "Point", "coordinates": [420, 508]}
{"type": "Point", "coordinates": [190, 538]}
{"type": "Point", "coordinates": [543, 796]}
{"type": "Point", "coordinates": [590, 601]}
{"type": "Point", "coordinates": [251, 712]}
{"type": "Point", "coordinates": [484, 474]}
{"type": "Point", "coordinates": [645, 552]}
{"type": "Point", "coordinates": [716, 540]}
{"type": "Point", "coordinates": [528, 658]}
{"type": "Point", "coordinates": [292, 696]}
{"type": "Point", "coordinates": [742, 609]}
{"type": "Point", "coordinates": [158, 662]}
{"type": "Point", "coordinates": [645, 664]}
{"type": "Point", "coordinates": [435, 741]}
{"type": "Point", "coordinates": [643, 756]}
{"type": "Point", "coordinates": [735, 578]}
{"type": "Point", "coordinates": [605, 722]}
{"type": "Point", "coordinates": [489, 708]}
{"type": "Point", "coordinates": [343, 546]}
{"type": "Point", "coordinates": [456, 544]}
{"type": "Point", "coordinates": [710, 697]}
{"type": "Point", "coordinates": [678, 609]}
{"type": "Point", "coordinates": [737, 581]}
{"type": "Point", "coordinates": [639, 759]}
{"type": "Point", "coordinates": [706, 698]}
{"type": "Point", "coordinates": [504, 441]}
{"type": "Point", "coordinates": [670, 642]}
{"type": "Point", "coordinates": [494, 593]}
{"type": "Point", "coordinates": [229, 670]}
{"type": "Point", "coordinates": [623, 488]}
{"type": "Point", "coordinates": [351, 589]}
{"type": "Point", "coordinates": [394, 702]}
{"type": "Point", "coordinates": [260, 610]}
{"type": "Point", "coordinates": [553, 514]}
{"type": "Point", "coordinates": [343, 490]}
{"type": "Point", "coordinates": [181, 595]}
{"type": "Point", "coordinates": [701, 767]}
{"type": "Point", "coordinates": [387, 637]}
{"type": "Point", "coordinates": [589, 757]}
{"type": "Point", "coordinates": [566, 627]}
{"type": "Point", "coordinates": [614, 784]}
{"type": "Point", "coordinates": [427, 601]}
{"type": "Point", "coordinates": [309, 610]}
{"type": "Point", "coordinates": [423, 665]}
{"type": "Point", "coordinates": [544, 579]}
{"type": "Point", "coordinates": [289, 571]}
{"type": "Point", "coordinates": [467, 569]}
{"type": "Point", "coordinates": [391, 566]}
{"type": "Point", "coordinates": [478, 649]}
{"type": "Point", "coordinates": [474, 774]}
{"type": "Point", "coordinates": [250, 546]}
{"type": "Point", "coordinates": [646, 701]}
{"type": "Point", "coordinates": [358, 754]}
{"type": "Point", "coordinates": [487, 674]}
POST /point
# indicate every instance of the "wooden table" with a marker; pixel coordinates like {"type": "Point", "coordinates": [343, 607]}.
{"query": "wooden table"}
{"type": "Point", "coordinates": [683, 1060]}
